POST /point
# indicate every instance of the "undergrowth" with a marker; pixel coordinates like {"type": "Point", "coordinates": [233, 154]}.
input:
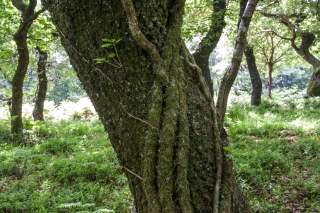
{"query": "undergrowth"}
{"type": "Point", "coordinates": [276, 153]}
{"type": "Point", "coordinates": [61, 166]}
{"type": "Point", "coordinates": [69, 165]}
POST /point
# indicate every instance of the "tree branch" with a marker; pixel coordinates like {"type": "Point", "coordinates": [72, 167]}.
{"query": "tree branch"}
{"type": "Point", "coordinates": [19, 5]}
{"type": "Point", "coordinates": [27, 23]}
{"type": "Point", "coordinates": [210, 41]}
{"type": "Point", "coordinates": [268, 5]}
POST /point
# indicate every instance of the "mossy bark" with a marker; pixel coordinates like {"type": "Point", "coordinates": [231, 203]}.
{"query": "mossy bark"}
{"type": "Point", "coordinates": [314, 83]}
{"type": "Point", "coordinates": [156, 108]}
{"type": "Point", "coordinates": [17, 83]}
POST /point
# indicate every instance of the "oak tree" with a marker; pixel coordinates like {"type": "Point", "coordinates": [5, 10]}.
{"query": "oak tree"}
{"type": "Point", "coordinates": [153, 101]}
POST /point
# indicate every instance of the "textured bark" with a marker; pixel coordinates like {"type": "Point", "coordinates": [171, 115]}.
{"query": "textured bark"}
{"type": "Point", "coordinates": [210, 41]}
{"type": "Point", "coordinates": [314, 84]}
{"type": "Point", "coordinates": [231, 74]}
{"type": "Point", "coordinates": [254, 76]}
{"type": "Point", "coordinates": [156, 107]}
{"type": "Point", "coordinates": [20, 38]}
{"type": "Point", "coordinates": [307, 38]}
{"type": "Point", "coordinates": [42, 86]}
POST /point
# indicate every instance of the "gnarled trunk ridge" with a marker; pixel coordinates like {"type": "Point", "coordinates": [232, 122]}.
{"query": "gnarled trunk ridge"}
{"type": "Point", "coordinates": [156, 107]}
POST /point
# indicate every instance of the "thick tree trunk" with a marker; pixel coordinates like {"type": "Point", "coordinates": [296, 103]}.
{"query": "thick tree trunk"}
{"type": "Point", "coordinates": [254, 76]}
{"type": "Point", "coordinates": [314, 83]}
{"type": "Point", "coordinates": [42, 86]}
{"type": "Point", "coordinates": [155, 105]}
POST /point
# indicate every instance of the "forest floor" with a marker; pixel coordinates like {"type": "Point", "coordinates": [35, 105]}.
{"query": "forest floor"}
{"type": "Point", "coordinates": [67, 164]}
{"type": "Point", "coordinates": [276, 153]}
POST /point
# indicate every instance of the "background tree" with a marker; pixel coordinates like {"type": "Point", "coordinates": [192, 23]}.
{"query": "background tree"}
{"type": "Point", "coordinates": [20, 38]}
{"type": "Point", "coordinates": [270, 52]}
{"type": "Point", "coordinates": [155, 104]}
{"type": "Point", "coordinates": [300, 19]}
{"type": "Point", "coordinates": [62, 82]}
{"type": "Point", "coordinates": [252, 67]}
{"type": "Point", "coordinates": [254, 76]}
{"type": "Point", "coordinates": [210, 40]}
{"type": "Point", "coordinates": [232, 71]}
{"type": "Point", "coordinates": [42, 86]}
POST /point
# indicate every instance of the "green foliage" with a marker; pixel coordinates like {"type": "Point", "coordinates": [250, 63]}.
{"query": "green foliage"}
{"type": "Point", "coordinates": [86, 114]}
{"type": "Point", "coordinates": [65, 86]}
{"type": "Point", "coordinates": [56, 146]}
{"type": "Point", "coordinates": [116, 62]}
{"type": "Point", "coordinates": [197, 19]}
{"type": "Point", "coordinates": [66, 166]}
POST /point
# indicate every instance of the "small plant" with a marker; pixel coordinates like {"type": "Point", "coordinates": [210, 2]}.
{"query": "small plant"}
{"type": "Point", "coordinates": [116, 62]}
{"type": "Point", "coordinates": [56, 146]}
{"type": "Point", "coordinates": [76, 206]}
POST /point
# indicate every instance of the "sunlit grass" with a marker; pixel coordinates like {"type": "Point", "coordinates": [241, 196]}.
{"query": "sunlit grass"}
{"type": "Point", "coordinates": [276, 153]}
{"type": "Point", "coordinates": [65, 164]}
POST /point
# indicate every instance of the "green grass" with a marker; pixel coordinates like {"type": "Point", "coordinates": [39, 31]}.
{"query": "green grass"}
{"type": "Point", "coordinates": [70, 166]}
{"type": "Point", "coordinates": [276, 153]}
{"type": "Point", "coordinates": [62, 166]}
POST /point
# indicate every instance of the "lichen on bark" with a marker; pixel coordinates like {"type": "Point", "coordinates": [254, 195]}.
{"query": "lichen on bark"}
{"type": "Point", "coordinates": [314, 83]}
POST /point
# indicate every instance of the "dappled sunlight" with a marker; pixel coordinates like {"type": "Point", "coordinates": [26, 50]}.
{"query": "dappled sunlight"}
{"type": "Point", "coordinates": [64, 110]}
{"type": "Point", "coordinates": [270, 116]}
{"type": "Point", "coordinates": [305, 124]}
{"type": "Point", "coordinates": [4, 112]}
{"type": "Point", "coordinates": [275, 148]}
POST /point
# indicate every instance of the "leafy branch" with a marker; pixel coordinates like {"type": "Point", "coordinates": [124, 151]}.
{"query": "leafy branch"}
{"type": "Point", "coordinates": [114, 55]}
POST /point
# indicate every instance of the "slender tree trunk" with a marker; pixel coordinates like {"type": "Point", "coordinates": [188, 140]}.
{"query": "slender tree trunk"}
{"type": "Point", "coordinates": [269, 79]}
{"type": "Point", "coordinates": [17, 83]}
{"type": "Point", "coordinates": [42, 86]}
{"type": "Point", "coordinates": [20, 38]}
{"type": "Point", "coordinates": [155, 106]}
{"type": "Point", "coordinates": [254, 76]}
{"type": "Point", "coordinates": [231, 74]}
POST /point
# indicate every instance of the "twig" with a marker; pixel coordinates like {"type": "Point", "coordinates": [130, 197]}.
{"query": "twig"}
{"type": "Point", "coordinates": [131, 172]}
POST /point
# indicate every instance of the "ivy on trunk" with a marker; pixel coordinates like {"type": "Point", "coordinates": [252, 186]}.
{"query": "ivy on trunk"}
{"type": "Point", "coordinates": [156, 107]}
